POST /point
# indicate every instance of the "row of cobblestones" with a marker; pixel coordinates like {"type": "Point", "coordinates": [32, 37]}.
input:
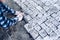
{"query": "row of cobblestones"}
{"type": "Point", "coordinates": [43, 17]}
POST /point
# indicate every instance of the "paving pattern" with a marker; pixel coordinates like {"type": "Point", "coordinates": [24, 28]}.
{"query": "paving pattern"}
{"type": "Point", "coordinates": [43, 17]}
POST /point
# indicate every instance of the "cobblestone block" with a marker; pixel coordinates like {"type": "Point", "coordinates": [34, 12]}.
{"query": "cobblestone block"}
{"type": "Point", "coordinates": [23, 6]}
{"type": "Point", "coordinates": [47, 3]}
{"type": "Point", "coordinates": [39, 38]}
{"type": "Point", "coordinates": [30, 7]}
{"type": "Point", "coordinates": [39, 16]}
{"type": "Point", "coordinates": [48, 22]}
{"type": "Point", "coordinates": [43, 26]}
{"type": "Point", "coordinates": [53, 27]}
{"type": "Point", "coordinates": [27, 18]}
{"type": "Point", "coordinates": [35, 13]}
{"type": "Point", "coordinates": [56, 23]}
{"type": "Point", "coordinates": [46, 38]}
{"type": "Point", "coordinates": [58, 13]}
{"type": "Point", "coordinates": [39, 8]}
{"type": "Point", "coordinates": [43, 33]}
{"type": "Point", "coordinates": [58, 18]}
{"type": "Point", "coordinates": [33, 21]}
{"type": "Point", "coordinates": [34, 33]}
{"type": "Point", "coordinates": [28, 27]}
{"type": "Point", "coordinates": [54, 1]}
{"type": "Point", "coordinates": [54, 15]}
{"type": "Point", "coordinates": [42, 20]}
{"type": "Point", "coordinates": [53, 9]}
{"type": "Point", "coordinates": [57, 6]}
{"type": "Point", "coordinates": [50, 18]}
{"type": "Point", "coordinates": [57, 32]}
{"type": "Point", "coordinates": [23, 1]}
{"type": "Point", "coordinates": [47, 29]}
{"type": "Point", "coordinates": [58, 26]}
{"type": "Point", "coordinates": [53, 35]}
{"type": "Point", "coordinates": [33, 3]}
{"type": "Point", "coordinates": [39, 22]}
{"type": "Point", "coordinates": [37, 27]}
{"type": "Point", "coordinates": [44, 1]}
{"type": "Point", "coordinates": [17, 1]}
{"type": "Point", "coordinates": [58, 38]}
{"type": "Point", "coordinates": [46, 8]}
{"type": "Point", "coordinates": [39, 3]}
{"type": "Point", "coordinates": [26, 3]}
{"type": "Point", "coordinates": [29, 12]}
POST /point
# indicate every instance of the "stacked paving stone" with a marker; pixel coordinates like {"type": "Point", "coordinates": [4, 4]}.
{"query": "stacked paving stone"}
{"type": "Point", "coordinates": [43, 17]}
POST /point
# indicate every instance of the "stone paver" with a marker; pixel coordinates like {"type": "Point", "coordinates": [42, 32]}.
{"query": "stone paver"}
{"type": "Point", "coordinates": [45, 13]}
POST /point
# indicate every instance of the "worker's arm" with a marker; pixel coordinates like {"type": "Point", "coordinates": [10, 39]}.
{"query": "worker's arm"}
{"type": "Point", "coordinates": [7, 9]}
{"type": "Point", "coordinates": [5, 22]}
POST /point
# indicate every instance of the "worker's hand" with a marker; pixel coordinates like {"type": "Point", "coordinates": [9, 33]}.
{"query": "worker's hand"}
{"type": "Point", "coordinates": [19, 15]}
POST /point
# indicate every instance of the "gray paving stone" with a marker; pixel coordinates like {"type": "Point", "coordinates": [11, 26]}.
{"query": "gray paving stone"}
{"type": "Point", "coordinates": [44, 1]}
{"type": "Point", "coordinates": [46, 8]}
{"type": "Point", "coordinates": [48, 30]}
{"type": "Point", "coordinates": [52, 35]}
{"type": "Point", "coordinates": [27, 18]}
{"type": "Point", "coordinates": [32, 3]}
{"type": "Point", "coordinates": [47, 3]}
{"type": "Point", "coordinates": [37, 27]}
{"type": "Point", "coordinates": [26, 3]}
{"type": "Point", "coordinates": [53, 27]}
{"type": "Point", "coordinates": [58, 18]}
{"type": "Point", "coordinates": [43, 33]}
{"type": "Point", "coordinates": [57, 32]}
{"type": "Point", "coordinates": [39, 38]}
{"type": "Point", "coordinates": [41, 20]}
{"type": "Point", "coordinates": [46, 38]}
{"type": "Point", "coordinates": [53, 9]}
{"type": "Point", "coordinates": [23, 0]}
{"type": "Point", "coordinates": [29, 6]}
{"type": "Point", "coordinates": [34, 33]}
{"type": "Point", "coordinates": [48, 22]}
{"type": "Point", "coordinates": [54, 15]}
{"type": "Point", "coordinates": [58, 13]}
{"type": "Point", "coordinates": [57, 6]}
{"type": "Point", "coordinates": [23, 6]}
{"type": "Point", "coordinates": [28, 27]}
{"type": "Point", "coordinates": [56, 23]}
{"type": "Point", "coordinates": [39, 16]}
{"type": "Point", "coordinates": [58, 38]}
{"type": "Point", "coordinates": [33, 21]}
{"type": "Point", "coordinates": [39, 8]}
{"type": "Point", "coordinates": [43, 26]}
{"type": "Point", "coordinates": [34, 13]}
{"type": "Point", "coordinates": [58, 26]}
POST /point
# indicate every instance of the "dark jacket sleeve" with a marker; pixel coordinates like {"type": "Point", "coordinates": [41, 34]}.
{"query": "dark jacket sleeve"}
{"type": "Point", "coordinates": [7, 9]}
{"type": "Point", "coordinates": [5, 22]}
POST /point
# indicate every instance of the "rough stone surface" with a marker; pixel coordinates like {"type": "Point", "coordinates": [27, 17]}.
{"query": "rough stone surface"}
{"type": "Point", "coordinates": [45, 13]}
